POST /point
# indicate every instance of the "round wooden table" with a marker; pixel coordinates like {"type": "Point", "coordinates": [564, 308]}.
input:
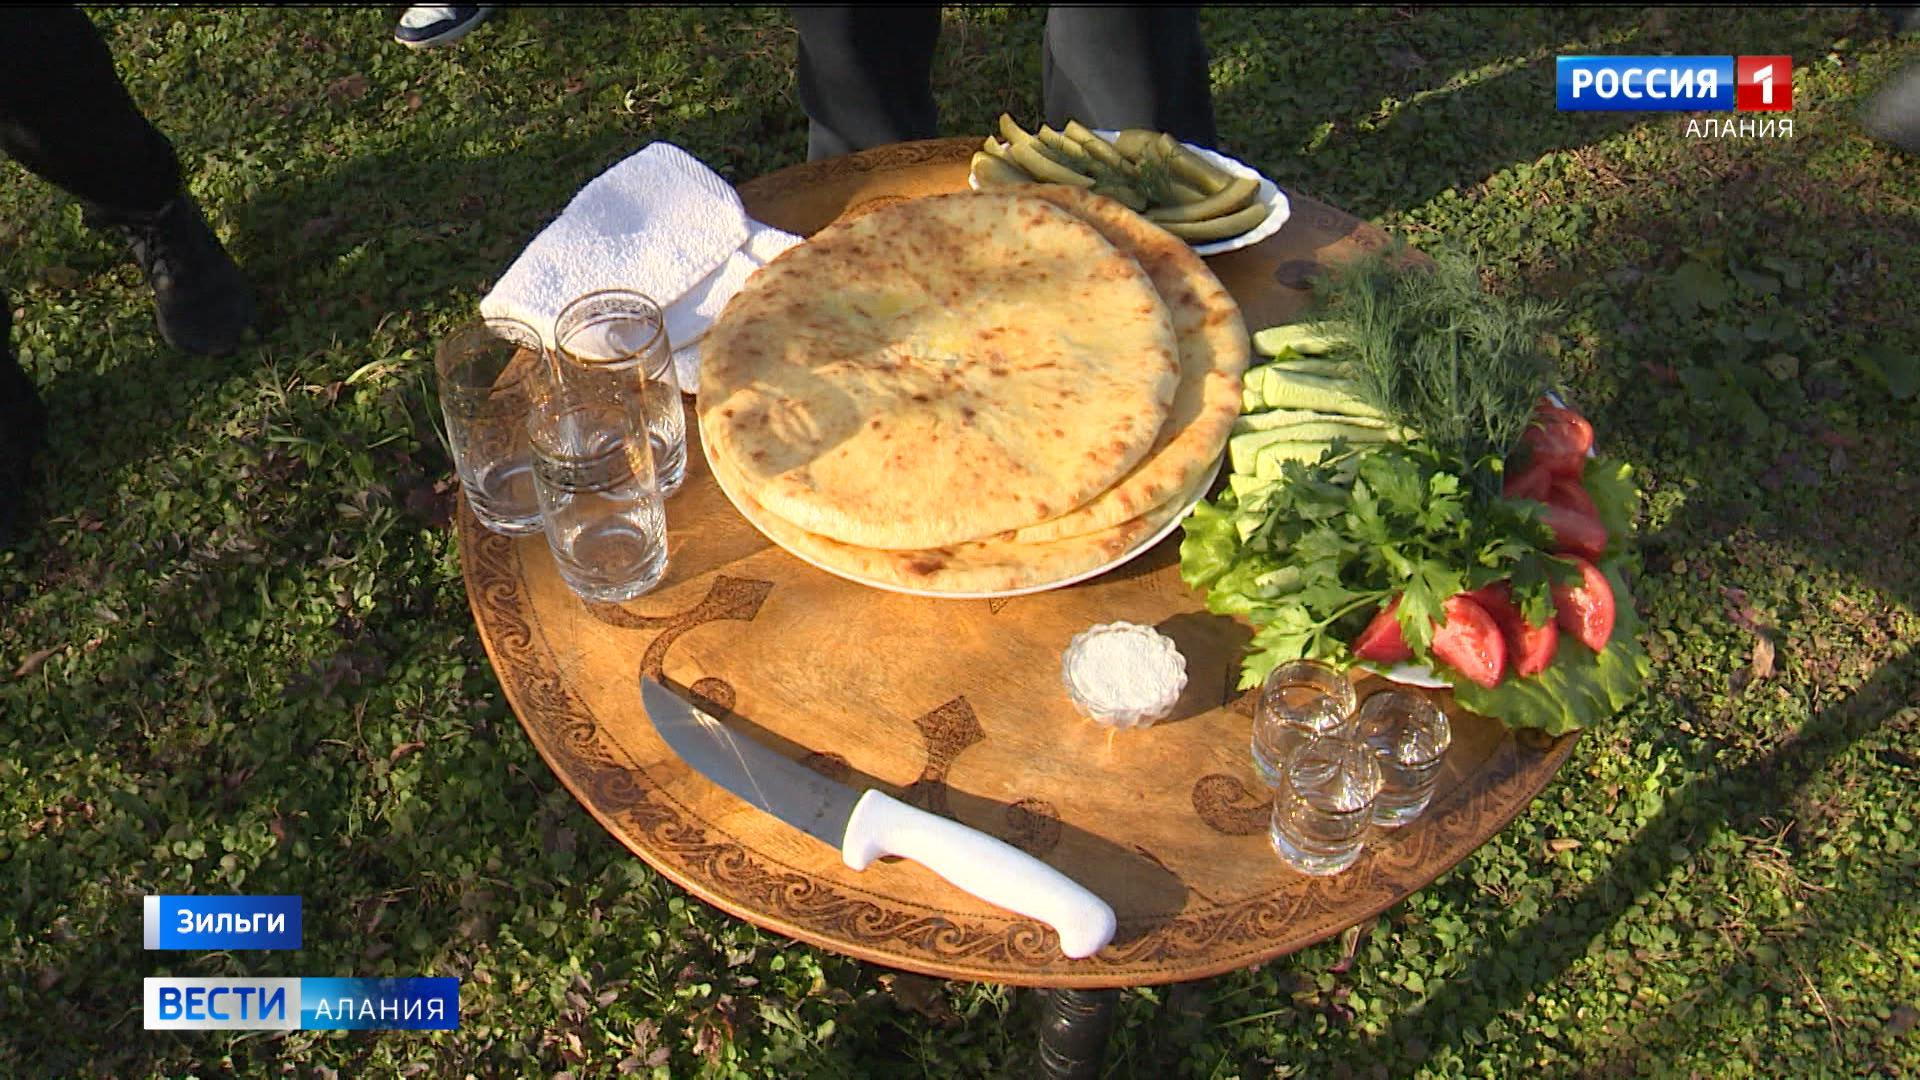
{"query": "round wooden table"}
{"type": "Point", "coordinates": [957, 707]}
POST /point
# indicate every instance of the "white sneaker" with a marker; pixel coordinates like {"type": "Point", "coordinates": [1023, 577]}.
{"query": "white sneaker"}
{"type": "Point", "coordinates": [438, 24]}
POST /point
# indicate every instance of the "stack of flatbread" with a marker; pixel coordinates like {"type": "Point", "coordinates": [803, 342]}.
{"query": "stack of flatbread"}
{"type": "Point", "coordinates": [973, 393]}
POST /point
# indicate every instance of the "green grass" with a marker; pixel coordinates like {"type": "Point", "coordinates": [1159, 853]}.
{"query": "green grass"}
{"type": "Point", "coordinates": [263, 676]}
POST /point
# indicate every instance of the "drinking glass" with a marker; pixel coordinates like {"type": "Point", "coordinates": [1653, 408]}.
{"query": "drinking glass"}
{"type": "Point", "coordinates": [593, 469]}
{"type": "Point", "coordinates": [1299, 699]}
{"type": "Point", "coordinates": [622, 335]}
{"type": "Point", "coordinates": [486, 372]}
{"type": "Point", "coordinates": [1409, 736]}
{"type": "Point", "coordinates": [1324, 805]}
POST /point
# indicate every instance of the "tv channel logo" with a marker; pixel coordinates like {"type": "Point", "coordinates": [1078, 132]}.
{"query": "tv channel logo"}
{"type": "Point", "coordinates": [204, 1003]}
{"type": "Point", "coordinates": [1673, 83]}
{"type": "Point", "coordinates": [212, 1003]}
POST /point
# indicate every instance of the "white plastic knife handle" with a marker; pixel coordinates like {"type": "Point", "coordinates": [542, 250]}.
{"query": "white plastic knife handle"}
{"type": "Point", "coordinates": [991, 869]}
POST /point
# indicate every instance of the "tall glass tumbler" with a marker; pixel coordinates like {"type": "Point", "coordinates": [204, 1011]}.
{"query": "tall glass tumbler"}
{"type": "Point", "coordinates": [1324, 805]}
{"type": "Point", "coordinates": [1409, 736]}
{"type": "Point", "coordinates": [593, 469]}
{"type": "Point", "coordinates": [622, 335]}
{"type": "Point", "coordinates": [1300, 699]}
{"type": "Point", "coordinates": [487, 373]}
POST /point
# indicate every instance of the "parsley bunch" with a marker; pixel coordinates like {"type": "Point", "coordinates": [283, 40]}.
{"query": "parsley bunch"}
{"type": "Point", "coordinates": [1311, 558]}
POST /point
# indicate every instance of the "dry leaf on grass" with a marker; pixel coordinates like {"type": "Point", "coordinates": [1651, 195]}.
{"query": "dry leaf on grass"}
{"type": "Point", "coordinates": [33, 661]}
{"type": "Point", "coordinates": [1350, 941]}
{"type": "Point", "coordinates": [1903, 1020]}
{"type": "Point", "coordinates": [1761, 664]}
{"type": "Point", "coordinates": [922, 995]}
{"type": "Point", "coordinates": [350, 88]}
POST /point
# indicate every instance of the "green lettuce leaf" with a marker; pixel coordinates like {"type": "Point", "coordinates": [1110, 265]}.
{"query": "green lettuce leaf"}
{"type": "Point", "coordinates": [1210, 545]}
{"type": "Point", "coordinates": [1610, 485]}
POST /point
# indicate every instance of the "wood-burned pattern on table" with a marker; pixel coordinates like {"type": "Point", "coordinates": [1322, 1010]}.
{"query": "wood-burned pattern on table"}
{"type": "Point", "coordinates": [956, 706]}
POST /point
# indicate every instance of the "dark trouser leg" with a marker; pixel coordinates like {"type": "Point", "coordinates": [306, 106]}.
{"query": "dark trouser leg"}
{"type": "Point", "coordinates": [15, 389]}
{"type": "Point", "coordinates": [1893, 114]}
{"type": "Point", "coordinates": [65, 115]}
{"type": "Point", "coordinates": [864, 75]}
{"type": "Point", "coordinates": [1112, 67]}
{"type": "Point", "coordinates": [22, 427]}
{"type": "Point", "coordinates": [20, 412]}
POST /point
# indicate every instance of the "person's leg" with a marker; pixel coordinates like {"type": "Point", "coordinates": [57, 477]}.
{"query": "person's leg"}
{"type": "Point", "coordinates": [1893, 113]}
{"type": "Point", "coordinates": [1115, 67]}
{"type": "Point", "coordinates": [66, 117]}
{"type": "Point", "coordinates": [864, 75]}
{"type": "Point", "coordinates": [22, 427]}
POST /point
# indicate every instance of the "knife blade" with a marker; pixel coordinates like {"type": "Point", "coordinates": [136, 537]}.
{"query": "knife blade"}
{"type": "Point", "coordinates": [864, 825]}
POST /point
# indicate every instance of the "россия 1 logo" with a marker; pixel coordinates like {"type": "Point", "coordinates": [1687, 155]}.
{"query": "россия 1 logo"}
{"type": "Point", "coordinates": [1674, 83]}
{"type": "Point", "coordinates": [1682, 84]}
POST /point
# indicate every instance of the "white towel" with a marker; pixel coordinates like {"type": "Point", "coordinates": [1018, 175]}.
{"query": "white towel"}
{"type": "Point", "coordinates": [659, 223]}
{"type": "Point", "coordinates": [704, 303]}
{"type": "Point", "coordinates": [689, 317]}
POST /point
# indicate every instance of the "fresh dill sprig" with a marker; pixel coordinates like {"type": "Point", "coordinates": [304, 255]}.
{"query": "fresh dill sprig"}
{"type": "Point", "coordinates": [1438, 353]}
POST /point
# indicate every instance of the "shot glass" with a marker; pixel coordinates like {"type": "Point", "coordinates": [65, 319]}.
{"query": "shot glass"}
{"type": "Point", "coordinates": [593, 469]}
{"type": "Point", "coordinates": [1409, 737]}
{"type": "Point", "coordinates": [1324, 804]}
{"type": "Point", "coordinates": [622, 335]}
{"type": "Point", "coordinates": [1300, 699]}
{"type": "Point", "coordinates": [487, 373]}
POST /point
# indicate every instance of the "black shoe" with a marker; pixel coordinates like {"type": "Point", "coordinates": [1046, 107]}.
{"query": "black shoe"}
{"type": "Point", "coordinates": [23, 430]}
{"type": "Point", "coordinates": [199, 296]}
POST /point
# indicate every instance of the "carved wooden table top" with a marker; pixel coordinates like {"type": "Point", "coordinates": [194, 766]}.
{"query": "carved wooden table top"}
{"type": "Point", "coordinates": [956, 706]}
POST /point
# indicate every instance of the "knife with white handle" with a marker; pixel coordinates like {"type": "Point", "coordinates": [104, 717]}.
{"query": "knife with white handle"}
{"type": "Point", "coordinates": [864, 825]}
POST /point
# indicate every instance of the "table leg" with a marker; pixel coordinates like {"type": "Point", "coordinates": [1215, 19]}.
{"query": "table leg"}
{"type": "Point", "coordinates": [1074, 1032]}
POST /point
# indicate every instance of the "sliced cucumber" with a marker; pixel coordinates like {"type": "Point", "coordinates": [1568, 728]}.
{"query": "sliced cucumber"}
{"type": "Point", "coordinates": [1246, 485]}
{"type": "Point", "coordinates": [1267, 464]}
{"type": "Point", "coordinates": [1293, 390]}
{"type": "Point", "coordinates": [1343, 370]}
{"type": "Point", "coordinates": [1274, 419]}
{"type": "Point", "coordinates": [1305, 339]}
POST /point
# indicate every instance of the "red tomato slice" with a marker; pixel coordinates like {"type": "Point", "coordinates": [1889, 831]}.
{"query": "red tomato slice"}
{"type": "Point", "coordinates": [1532, 480]}
{"type": "Point", "coordinates": [1575, 532]}
{"type": "Point", "coordinates": [1530, 648]}
{"type": "Point", "coordinates": [1570, 494]}
{"type": "Point", "coordinates": [1470, 642]}
{"type": "Point", "coordinates": [1382, 641]}
{"type": "Point", "coordinates": [1586, 610]}
{"type": "Point", "coordinates": [1559, 438]}
{"type": "Point", "coordinates": [1577, 431]}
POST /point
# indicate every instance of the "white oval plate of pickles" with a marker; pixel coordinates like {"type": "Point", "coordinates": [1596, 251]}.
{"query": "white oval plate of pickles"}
{"type": "Point", "coordinates": [1270, 196]}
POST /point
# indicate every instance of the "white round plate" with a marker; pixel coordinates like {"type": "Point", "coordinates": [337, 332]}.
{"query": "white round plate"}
{"type": "Point", "coordinates": [1062, 583]}
{"type": "Point", "coordinates": [1270, 196]}
{"type": "Point", "coordinates": [1419, 674]}
{"type": "Point", "coordinates": [1409, 675]}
